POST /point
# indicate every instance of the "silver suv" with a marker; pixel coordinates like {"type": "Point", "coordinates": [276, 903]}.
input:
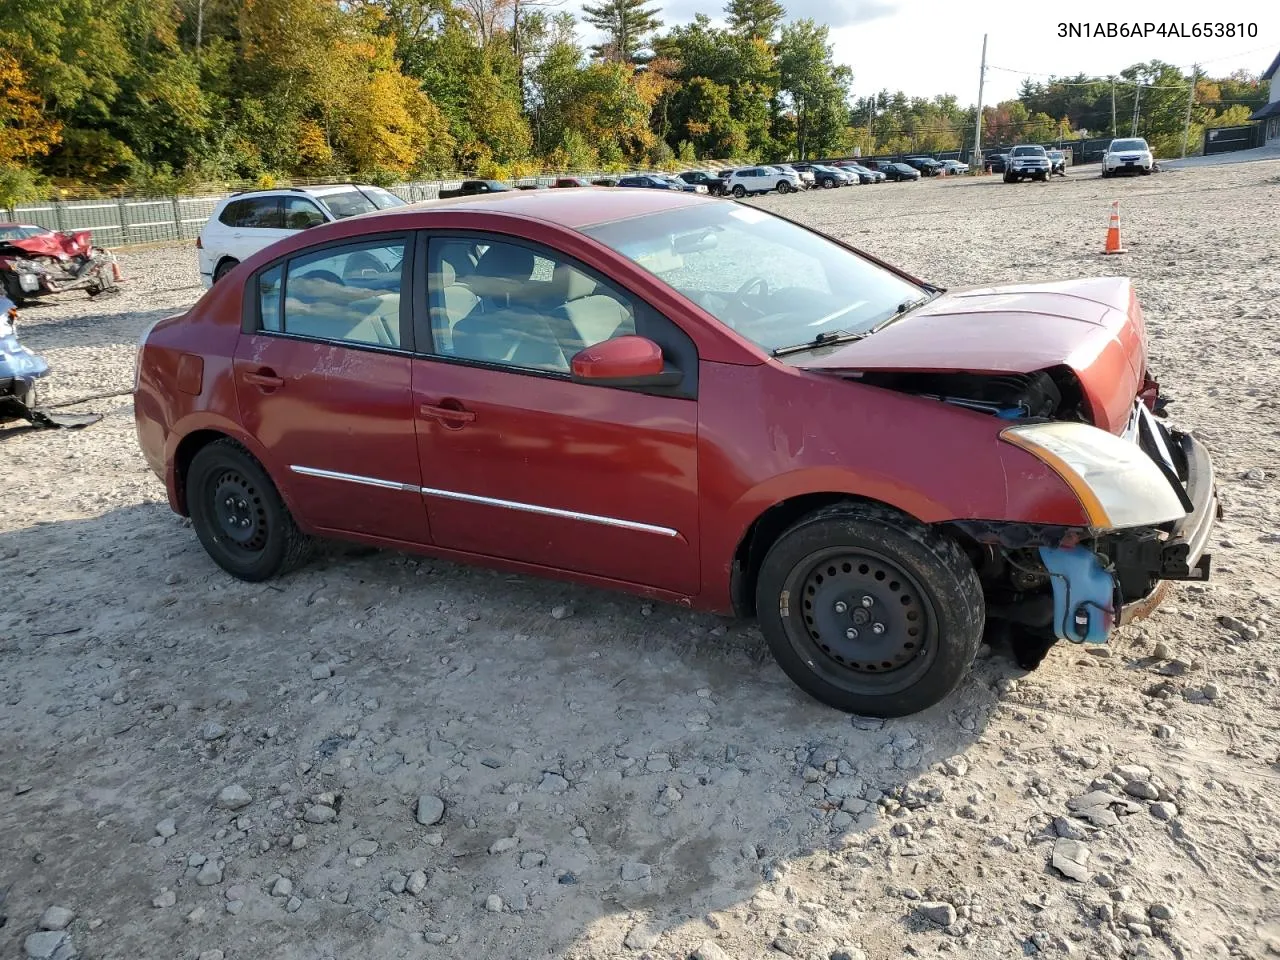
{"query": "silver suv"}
{"type": "Point", "coordinates": [1027, 161]}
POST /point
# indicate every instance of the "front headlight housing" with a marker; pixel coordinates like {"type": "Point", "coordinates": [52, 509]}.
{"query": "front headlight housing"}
{"type": "Point", "coordinates": [1117, 484]}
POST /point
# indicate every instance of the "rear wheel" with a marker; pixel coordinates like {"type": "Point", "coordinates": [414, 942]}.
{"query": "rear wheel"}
{"type": "Point", "coordinates": [239, 516]}
{"type": "Point", "coordinates": [225, 267]}
{"type": "Point", "coordinates": [869, 611]}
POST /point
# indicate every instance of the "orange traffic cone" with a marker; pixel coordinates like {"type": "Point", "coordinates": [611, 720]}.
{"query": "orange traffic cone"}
{"type": "Point", "coordinates": [1113, 230]}
{"type": "Point", "coordinates": [115, 272]}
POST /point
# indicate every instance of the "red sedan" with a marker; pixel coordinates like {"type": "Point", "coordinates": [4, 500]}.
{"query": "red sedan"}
{"type": "Point", "coordinates": [692, 400]}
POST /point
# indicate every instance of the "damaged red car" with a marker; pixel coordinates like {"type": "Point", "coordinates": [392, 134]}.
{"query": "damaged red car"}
{"type": "Point", "coordinates": [35, 261]}
{"type": "Point", "coordinates": [693, 400]}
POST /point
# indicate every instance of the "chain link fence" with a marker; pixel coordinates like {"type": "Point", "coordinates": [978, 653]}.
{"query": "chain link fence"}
{"type": "Point", "coordinates": [123, 221]}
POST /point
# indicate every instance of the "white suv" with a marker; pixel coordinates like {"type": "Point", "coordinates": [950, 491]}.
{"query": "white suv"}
{"type": "Point", "coordinates": [1128, 155]}
{"type": "Point", "coordinates": [244, 223]}
{"type": "Point", "coordinates": [760, 180]}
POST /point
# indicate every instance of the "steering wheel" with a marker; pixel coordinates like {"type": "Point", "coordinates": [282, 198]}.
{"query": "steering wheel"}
{"type": "Point", "coordinates": [757, 284]}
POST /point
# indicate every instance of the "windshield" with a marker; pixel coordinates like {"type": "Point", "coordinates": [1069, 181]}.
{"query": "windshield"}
{"type": "Point", "coordinates": [772, 281]}
{"type": "Point", "coordinates": [19, 233]}
{"type": "Point", "coordinates": [1129, 145]}
{"type": "Point", "coordinates": [1028, 151]}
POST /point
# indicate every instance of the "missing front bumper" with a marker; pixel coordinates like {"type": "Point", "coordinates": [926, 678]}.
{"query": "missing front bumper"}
{"type": "Point", "coordinates": [1092, 597]}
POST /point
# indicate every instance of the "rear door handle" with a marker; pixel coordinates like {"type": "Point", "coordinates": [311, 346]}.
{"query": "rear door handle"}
{"type": "Point", "coordinates": [264, 379]}
{"type": "Point", "coordinates": [446, 414]}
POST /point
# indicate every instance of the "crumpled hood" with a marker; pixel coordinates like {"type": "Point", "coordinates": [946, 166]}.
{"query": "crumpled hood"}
{"type": "Point", "coordinates": [62, 246]}
{"type": "Point", "coordinates": [1094, 326]}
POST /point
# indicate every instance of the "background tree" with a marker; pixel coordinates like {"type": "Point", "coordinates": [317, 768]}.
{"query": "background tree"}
{"type": "Point", "coordinates": [626, 25]}
{"type": "Point", "coordinates": [755, 19]}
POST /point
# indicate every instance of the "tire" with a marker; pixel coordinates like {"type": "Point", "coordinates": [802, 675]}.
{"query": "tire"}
{"type": "Point", "coordinates": [739, 191]}
{"type": "Point", "coordinates": [784, 187]}
{"type": "Point", "coordinates": [9, 287]}
{"type": "Point", "coordinates": [271, 543]}
{"type": "Point", "coordinates": [816, 580]}
{"type": "Point", "coordinates": [225, 267]}
{"type": "Point", "coordinates": [1008, 179]}
{"type": "Point", "coordinates": [827, 183]}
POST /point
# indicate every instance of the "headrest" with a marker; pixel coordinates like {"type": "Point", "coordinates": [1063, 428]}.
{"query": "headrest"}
{"type": "Point", "coordinates": [506, 261]}
{"type": "Point", "coordinates": [568, 283]}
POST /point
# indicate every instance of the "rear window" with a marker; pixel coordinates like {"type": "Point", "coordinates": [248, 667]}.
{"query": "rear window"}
{"type": "Point", "coordinates": [1028, 151]}
{"type": "Point", "coordinates": [1138, 144]}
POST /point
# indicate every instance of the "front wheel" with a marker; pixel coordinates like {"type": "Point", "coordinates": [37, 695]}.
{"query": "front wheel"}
{"type": "Point", "coordinates": [869, 611]}
{"type": "Point", "coordinates": [739, 191]}
{"type": "Point", "coordinates": [239, 516]}
{"type": "Point", "coordinates": [784, 187]}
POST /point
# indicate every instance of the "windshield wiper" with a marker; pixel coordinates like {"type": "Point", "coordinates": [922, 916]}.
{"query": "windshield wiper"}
{"type": "Point", "coordinates": [821, 340]}
{"type": "Point", "coordinates": [903, 309]}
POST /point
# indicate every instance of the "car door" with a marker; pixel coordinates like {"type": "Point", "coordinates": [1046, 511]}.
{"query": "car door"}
{"type": "Point", "coordinates": [522, 463]}
{"type": "Point", "coordinates": [324, 382]}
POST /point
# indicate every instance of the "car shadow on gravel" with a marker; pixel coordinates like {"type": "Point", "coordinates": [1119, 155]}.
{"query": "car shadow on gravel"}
{"type": "Point", "coordinates": [610, 770]}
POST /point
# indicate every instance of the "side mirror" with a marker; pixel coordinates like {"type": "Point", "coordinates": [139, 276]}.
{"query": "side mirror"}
{"type": "Point", "coordinates": [628, 361]}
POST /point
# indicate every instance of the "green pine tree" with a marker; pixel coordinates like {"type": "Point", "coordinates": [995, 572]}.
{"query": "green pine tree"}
{"type": "Point", "coordinates": [626, 25]}
{"type": "Point", "coordinates": [755, 18]}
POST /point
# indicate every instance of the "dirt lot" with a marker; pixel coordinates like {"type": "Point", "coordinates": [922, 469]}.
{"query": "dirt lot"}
{"type": "Point", "coordinates": [196, 767]}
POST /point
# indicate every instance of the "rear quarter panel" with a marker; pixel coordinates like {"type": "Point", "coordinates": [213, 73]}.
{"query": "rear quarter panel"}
{"type": "Point", "coordinates": [164, 412]}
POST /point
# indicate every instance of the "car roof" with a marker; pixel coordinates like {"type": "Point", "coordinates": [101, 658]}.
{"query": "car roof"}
{"type": "Point", "coordinates": [570, 208]}
{"type": "Point", "coordinates": [23, 226]}
{"type": "Point", "coordinates": [320, 190]}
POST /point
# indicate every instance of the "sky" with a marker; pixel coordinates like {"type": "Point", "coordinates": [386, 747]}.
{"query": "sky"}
{"type": "Point", "coordinates": [930, 47]}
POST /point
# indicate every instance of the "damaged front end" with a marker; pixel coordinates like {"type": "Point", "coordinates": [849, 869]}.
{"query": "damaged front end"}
{"type": "Point", "coordinates": [51, 263]}
{"type": "Point", "coordinates": [1079, 583]}
{"type": "Point", "coordinates": [1063, 366]}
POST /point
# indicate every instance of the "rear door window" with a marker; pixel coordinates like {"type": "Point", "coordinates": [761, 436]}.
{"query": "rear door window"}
{"type": "Point", "coordinates": [343, 294]}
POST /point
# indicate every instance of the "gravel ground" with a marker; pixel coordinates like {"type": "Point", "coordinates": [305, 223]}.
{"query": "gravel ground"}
{"type": "Point", "coordinates": [386, 756]}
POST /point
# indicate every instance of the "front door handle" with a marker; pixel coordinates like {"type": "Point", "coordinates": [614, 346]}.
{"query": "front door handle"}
{"type": "Point", "coordinates": [447, 414]}
{"type": "Point", "coordinates": [265, 379]}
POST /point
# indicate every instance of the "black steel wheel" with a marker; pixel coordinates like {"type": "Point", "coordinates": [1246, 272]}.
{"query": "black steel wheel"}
{"type": "Point", "coordinates": [238, 514]}
{"type": "Point", "coordinates": [869, 611]}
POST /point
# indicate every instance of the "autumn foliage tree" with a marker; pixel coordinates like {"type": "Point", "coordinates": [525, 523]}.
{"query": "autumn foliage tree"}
{"type": "Point", "coordinates": [158, 95]}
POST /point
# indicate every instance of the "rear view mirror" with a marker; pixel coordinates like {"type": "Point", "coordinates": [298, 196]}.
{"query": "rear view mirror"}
{"type": "Point", "coordinates": [693, 242]}
{"type": "Point", "coordinates": [627, 361]}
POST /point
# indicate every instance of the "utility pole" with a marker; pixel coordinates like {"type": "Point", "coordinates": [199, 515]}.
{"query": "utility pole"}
{"type": "Point", "coordinates": [1191, 98]}
{"type": "Point", "coordinates": [1113, 108]}
{"type": "Point", "coordinates": [975, 158]}
{"type": "Point", "coordinates": [1137, 99]}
